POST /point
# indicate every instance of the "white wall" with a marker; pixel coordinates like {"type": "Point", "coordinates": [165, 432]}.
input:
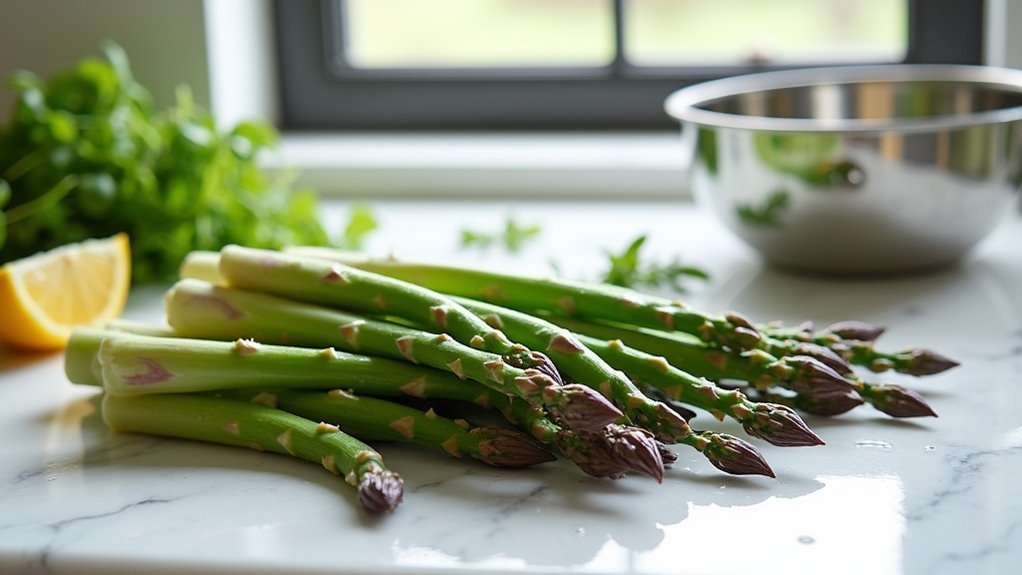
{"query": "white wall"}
{"type": "Point", "coordinates": [165, 40]}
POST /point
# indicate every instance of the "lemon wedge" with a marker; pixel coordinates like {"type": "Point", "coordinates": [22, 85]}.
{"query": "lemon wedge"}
{"type": "Point", "coordinates": [44, 296]}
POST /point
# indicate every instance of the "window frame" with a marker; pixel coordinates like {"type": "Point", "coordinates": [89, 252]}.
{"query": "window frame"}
{"type": "Point", "coordinates": [319, 92]}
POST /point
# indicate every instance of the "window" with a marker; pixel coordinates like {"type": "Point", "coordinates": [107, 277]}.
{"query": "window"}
{"type": "Point", "coordinates": [576, 64]}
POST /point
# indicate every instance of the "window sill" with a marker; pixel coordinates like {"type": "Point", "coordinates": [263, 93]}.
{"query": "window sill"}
{"type": "Point", "coordinates": [487, 166]}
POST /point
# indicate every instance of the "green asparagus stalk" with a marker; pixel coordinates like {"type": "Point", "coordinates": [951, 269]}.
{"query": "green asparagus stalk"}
{"type": "Point", "coordinates": [557, 296]}
{"type": "Point", "coordinates": [727, 453]}
{"type": "Point", "coordinates": [198, 309]}
{"type": "Point", "coordinates": [371, 419]}
{"type": "Point", "coordinates": [798, 373]}
{"type": "Point", "coordinates": [201, 365]}
{"type": "Point", "coordinates": [853, 341]}
{"type": "Point", "coordinates": [777, 424]}
{"type": "Point", "coordinates": [243, 424]}
{"type": "Point", "coordinates": [819, 389]}
{"type": "Point", "coordinates": [335, 285]}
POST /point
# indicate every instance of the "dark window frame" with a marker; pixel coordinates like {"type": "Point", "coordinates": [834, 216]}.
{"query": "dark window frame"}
{"type": "Point", "coordinates": [320, 92]}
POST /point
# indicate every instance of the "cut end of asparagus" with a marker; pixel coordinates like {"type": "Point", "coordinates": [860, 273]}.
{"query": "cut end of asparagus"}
{"type": "Point", "coordinates": [898, 401]}
{"type": "Point", "coordinates": [815, 378]}
{"type": "Point", "coordinates": [857, 330]}
{"type": "Point", "coordinates": [735, 456]}
{"type": "Point", "coordinates": [381, 491]}
{"type": "Point", "coordinates": [780, 425]}
{"type": "Point", "coordinates": [927, 362]}
{"type": "Point", "coordinates": [635, 449]}
{"type": "Point", "coordinates": [508, 448]}
{"type": "Point", "coordinates": [580, 408]}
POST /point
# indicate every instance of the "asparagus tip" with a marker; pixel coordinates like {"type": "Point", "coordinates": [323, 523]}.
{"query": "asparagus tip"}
{"type": "Point", "coordinates": [636, 449]}
{"type": "Point", "coordinates": [829, 404]}
{"type": "Point", "coordinates": [735, 456]}
{"type": "Point", "coordinates": [857, 330]}
{"type": "Point", "coordinates": [581, 408]}
{"type": "Point", "coordinates": [380, 491]}
{"type": "Point", "coordinates": [590, 453]}
{"type": "Point", "coordinates": [822, 354]}
{"type": "Point", "coordinates": [898, 401]}
{"type": "Point", "coordinates": [509, 448]}
{"type": "Point", "coordinates": [781, 426]}
{"type": "Point", "coordinates": [816, 378]}
{"type": "Point", "coordinates": [667, 455]}
{"type": "Point", "coordinates": [928, 362]}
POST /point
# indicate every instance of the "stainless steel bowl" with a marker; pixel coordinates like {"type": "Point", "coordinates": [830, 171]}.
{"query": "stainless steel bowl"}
{"type": "Point", "coordinates": [857, 169]}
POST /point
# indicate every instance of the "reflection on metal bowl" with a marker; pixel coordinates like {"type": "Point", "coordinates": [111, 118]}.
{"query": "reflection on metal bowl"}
{"type": "Point", "coordinates": [858, 169]}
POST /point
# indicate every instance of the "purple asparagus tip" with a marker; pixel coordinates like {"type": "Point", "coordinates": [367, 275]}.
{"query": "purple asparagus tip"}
{"type": "Point", "coordinates": [579, 407]}
{"type": "Point", "coordinates": [735, 456]}
{"type": "Point", "coordinates": [667, 455]}
{"type": "Point", "coordinates": [822, 354]}
{"type": "Point", "coordinates": [898, 401]}
{"type": "Point", "coordinates": [927, 362]}
{"type": "Point", "coordinates": [857, 330]}
{"type": "Point", "coordinates": [828, 404]}
{"type": "Point", "coordinates": [635, 449]}
{"type": "Point", "coordinates": [509, 448]}
{"type": "Point", "coordinates": [814, 377]}
{"type": "Point", "coordinates": [590, 453]}
{"type": "Point", "coordinates": [380, 491]}
{"type": "Point", "coordinates": [781, 426]}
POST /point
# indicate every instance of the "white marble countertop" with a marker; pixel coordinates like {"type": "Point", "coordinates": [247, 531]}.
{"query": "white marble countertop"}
{"type": "Point", "coordinates": [933, 496]}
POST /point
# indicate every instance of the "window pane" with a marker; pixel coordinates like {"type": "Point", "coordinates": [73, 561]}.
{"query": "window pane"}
{"type": "Point", "coordinates": [478, 33]}
{"type": "Point", "coordinates": [701, 32]}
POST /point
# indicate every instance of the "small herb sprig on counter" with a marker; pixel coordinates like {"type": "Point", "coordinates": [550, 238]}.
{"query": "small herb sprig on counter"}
{"type": "Point", "coordinates": [629, 269]}
{"type": "Point", "coordinates": [86, 154]}
{"type": "Point", "coordinates": [513, 237]}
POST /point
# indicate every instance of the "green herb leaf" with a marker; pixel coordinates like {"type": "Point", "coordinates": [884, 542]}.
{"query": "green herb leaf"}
{"type": "Point", "coordinates": [85, 154]}
{"type": "Point", "coordinates": [513, 237]}
{"type": "Point", "coordinates": [361, 222]}
{"type": "Point", "coordinates": [627, 269]}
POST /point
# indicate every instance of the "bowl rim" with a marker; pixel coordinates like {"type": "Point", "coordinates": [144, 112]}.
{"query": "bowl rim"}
{"type": "Point", "coordinates": [683, 104]}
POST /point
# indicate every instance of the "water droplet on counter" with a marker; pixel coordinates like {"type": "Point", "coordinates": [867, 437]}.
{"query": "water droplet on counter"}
{"type": "Point", "coordinates": [581, 531]}
{"type": "Point", "coordinates": [930, 447]}
{"type": "Point", "coordinates": [874, 444]}
{"type": "Point", "coordinates": [806, 540]}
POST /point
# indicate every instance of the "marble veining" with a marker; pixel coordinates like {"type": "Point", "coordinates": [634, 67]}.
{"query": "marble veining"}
{"type": "Point", "coordinates": [934, 496]}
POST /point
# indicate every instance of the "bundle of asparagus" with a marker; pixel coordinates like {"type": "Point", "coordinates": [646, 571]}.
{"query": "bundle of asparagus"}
{"type": "Point", "coordinates": [312, 352]}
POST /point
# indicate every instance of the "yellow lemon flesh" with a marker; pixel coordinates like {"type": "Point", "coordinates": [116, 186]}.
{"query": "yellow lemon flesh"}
{"type": "Point", "coordinates": [45, 296]}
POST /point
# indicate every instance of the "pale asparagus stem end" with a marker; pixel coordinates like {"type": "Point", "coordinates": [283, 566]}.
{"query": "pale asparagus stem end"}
{"type": "Point", "coordinates": [380, 491]}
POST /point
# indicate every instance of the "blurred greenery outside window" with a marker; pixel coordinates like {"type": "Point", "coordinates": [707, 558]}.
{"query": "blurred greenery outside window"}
{"type": "Point", "coordinates": [552, 64]}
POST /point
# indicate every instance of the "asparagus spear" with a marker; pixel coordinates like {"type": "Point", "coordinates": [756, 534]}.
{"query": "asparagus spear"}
{"type": "Point", "coordinates": [561, 297]}
{"type": "Point", "coordinates": [854, 342]}
{"type": "Point", "coordinates": [820, 390]}
{"type": "Point", "coordinates": [777, 424]}
{"type": "Point", "coordinates": [332, 284]}
{"type": "Point", "coordinates": [243, 424]}
{"type": "Point", "coordinates": [725, 452]}
{"type": "Point", "coordinates": [198, 309]}
{"type": "Point", "coordinates": [201, 365]}
{"type": "Point", "coordinates": [370, 419]}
